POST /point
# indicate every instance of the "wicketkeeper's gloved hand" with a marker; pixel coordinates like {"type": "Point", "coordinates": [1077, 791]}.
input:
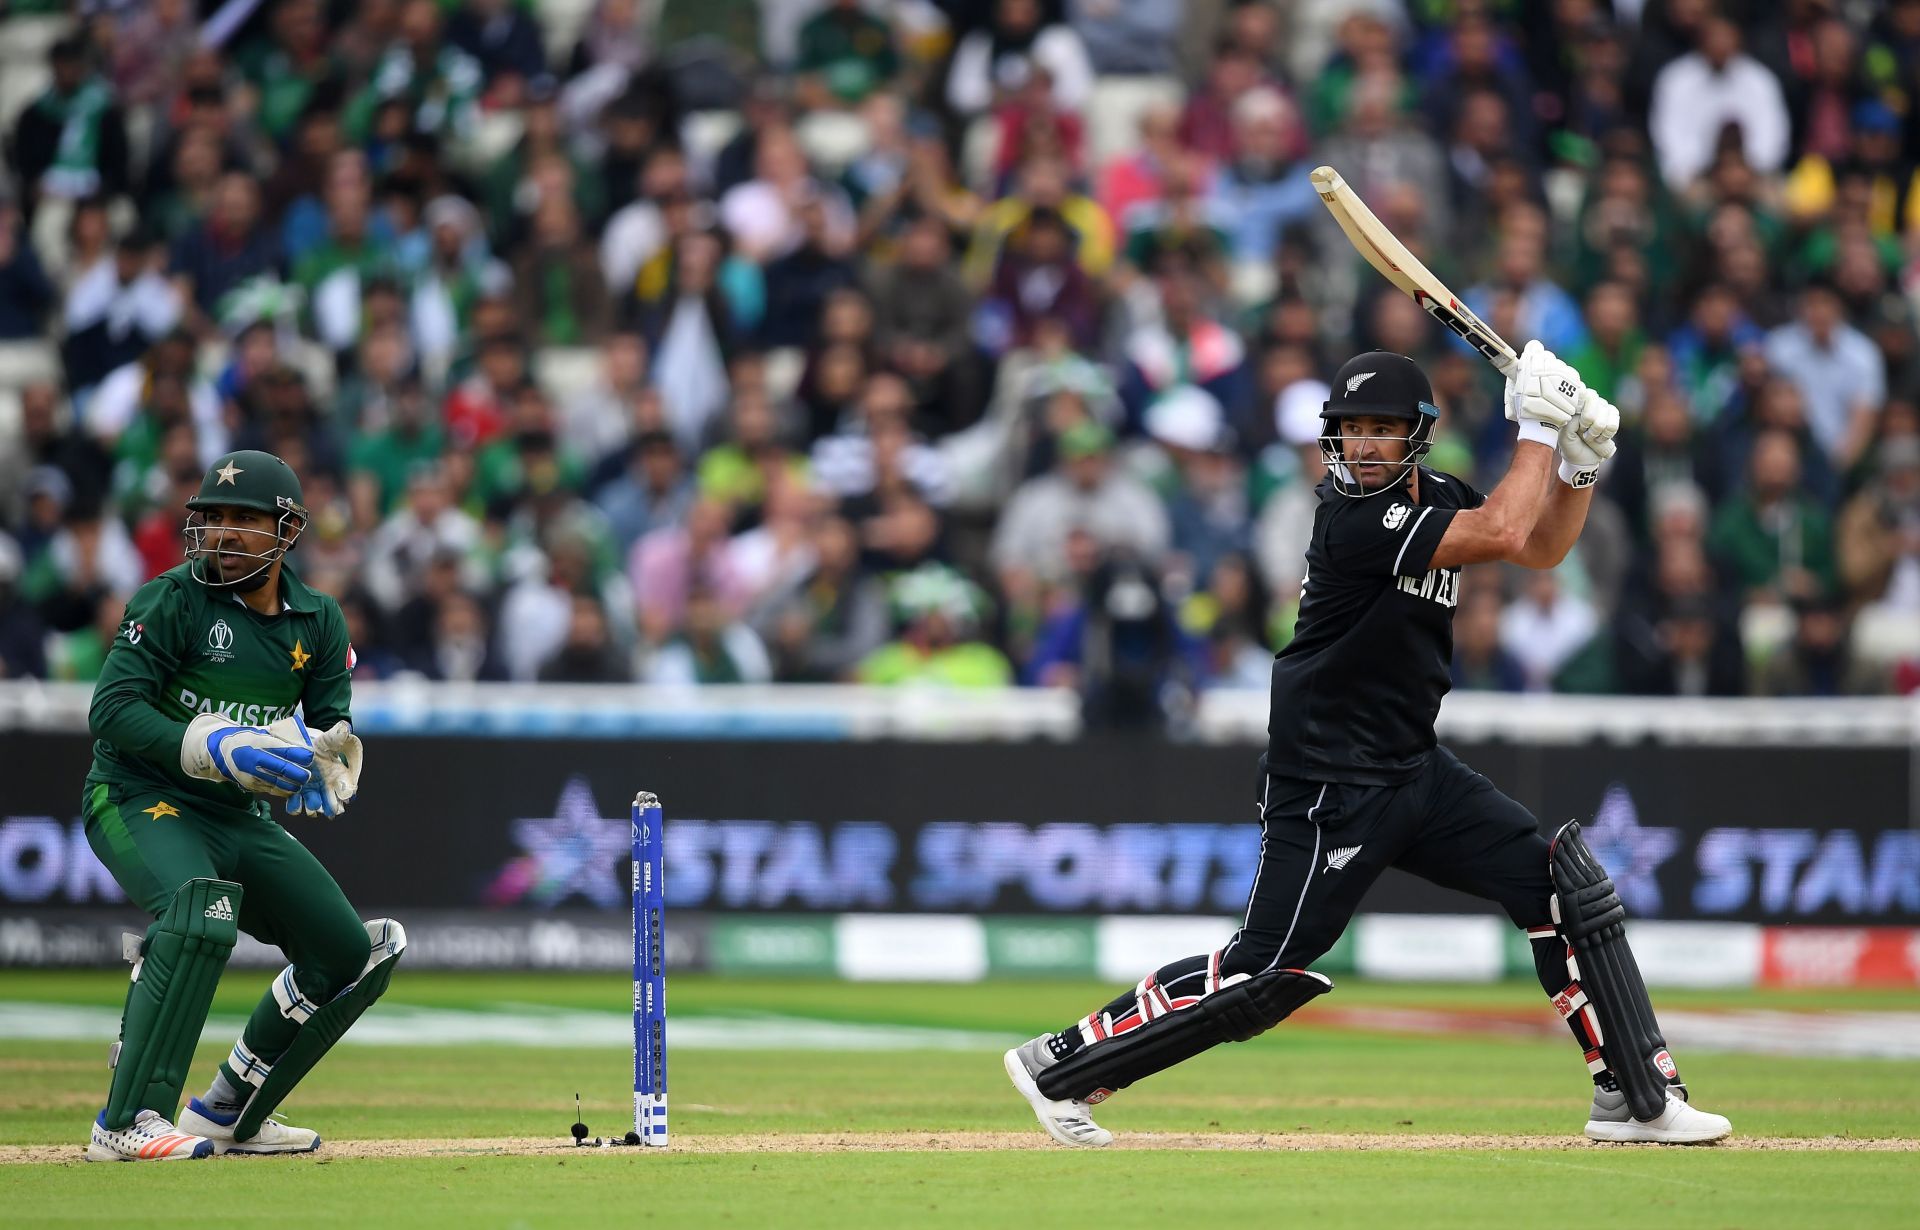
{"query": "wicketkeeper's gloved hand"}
{"type": "Point", "coordinates": [1543, 395]}
{"type": "Point", "coordinates": [337, 755]}
{"type": "Point", "coordinates": [217, 749]}
{"type": "Point", "coordinates": [1587, 440]}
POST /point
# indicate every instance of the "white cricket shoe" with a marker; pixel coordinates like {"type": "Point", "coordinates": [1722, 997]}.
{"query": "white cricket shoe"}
{"type": "Point", "coordinates": [1678, 1124]}
{"type": "Point", "coordinates": [273, 1136]}
{"type": "Point", "coordinates": [1069, 1122]}
{"type": "Point", "coordinates": [149, 1138]}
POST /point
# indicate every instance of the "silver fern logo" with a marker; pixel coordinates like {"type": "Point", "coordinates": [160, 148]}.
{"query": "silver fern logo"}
{"type": "Point", "coordinates": [1354, 382]}
{"type": "Point", "coordinates": [1337, 860]}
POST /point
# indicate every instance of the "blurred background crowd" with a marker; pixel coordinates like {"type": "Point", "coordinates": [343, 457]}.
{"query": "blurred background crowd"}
{"type": "Point", "coordinates": [967, 341]}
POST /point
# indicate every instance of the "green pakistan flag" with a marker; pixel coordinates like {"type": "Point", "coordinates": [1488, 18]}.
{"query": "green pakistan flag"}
{"type": "Point", "coordinates": [184, 649]}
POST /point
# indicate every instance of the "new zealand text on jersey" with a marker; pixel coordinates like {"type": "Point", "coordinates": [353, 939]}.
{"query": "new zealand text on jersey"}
{"type": "Point", "coordinates": [1441, 585]}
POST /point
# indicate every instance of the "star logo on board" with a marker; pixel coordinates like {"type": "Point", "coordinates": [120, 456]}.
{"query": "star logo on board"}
{"type": "Point", "coordinates": [161, 810]}
{"type": "Point", "coordinates": [575, 852]}
{"type": "Point", "coordinates": [227, 471]}
{"type": "Point", "coordinates": [300, 657]}
{"type": "Point", "coordinates": [1631, 852]}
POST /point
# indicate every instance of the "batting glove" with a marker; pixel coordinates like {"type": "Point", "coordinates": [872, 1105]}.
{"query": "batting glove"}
{"type": "Point", "coordinates": [1543, 394]}
{"type": "Point", "coordinates": [1587, 441]}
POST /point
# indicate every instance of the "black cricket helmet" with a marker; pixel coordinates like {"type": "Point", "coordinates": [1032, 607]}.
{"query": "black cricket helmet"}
{"type": "Point", "coordinates": [1388, 385]}
{"type": "Point", "coordinates": [245, 479]}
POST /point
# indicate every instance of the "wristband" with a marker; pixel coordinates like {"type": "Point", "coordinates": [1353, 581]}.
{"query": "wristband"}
{"type": "Point", "coordinates": [1578, 477]}
{"type": "Point", "coordinates": [1539, 433]}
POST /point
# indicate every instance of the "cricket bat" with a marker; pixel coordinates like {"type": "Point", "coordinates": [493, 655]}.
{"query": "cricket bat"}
{"type": "Point", "coordinates": [1401, 267]}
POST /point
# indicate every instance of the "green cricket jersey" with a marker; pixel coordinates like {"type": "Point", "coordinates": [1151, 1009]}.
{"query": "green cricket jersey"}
{"type": "Point", "coordinates": [185, 649]}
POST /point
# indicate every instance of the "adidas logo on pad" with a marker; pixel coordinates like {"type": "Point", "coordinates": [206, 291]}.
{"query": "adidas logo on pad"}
{"type": "Point", "coordinates": [221, 909]}
{"type": "Point", "coordinates": [1338, 859]}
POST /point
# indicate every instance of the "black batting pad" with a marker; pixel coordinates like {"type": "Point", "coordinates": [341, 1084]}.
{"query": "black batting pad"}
{"type": "Point", "coordinates": [1231, 1014]}
{"type": "Point", "coordinates": [1590, 916]}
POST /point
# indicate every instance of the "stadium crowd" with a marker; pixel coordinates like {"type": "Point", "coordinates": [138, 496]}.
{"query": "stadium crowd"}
{"type": "Point", "coordinates": [966, 341]}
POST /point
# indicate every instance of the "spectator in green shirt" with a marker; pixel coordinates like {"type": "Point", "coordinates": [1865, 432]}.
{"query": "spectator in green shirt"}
{"type": "Point", "coordinates": [938, 643]}
{"type": "Point", "coordinates": [289, 65]}
{"type": "Point", "coordinates": [1775, 541]}
{"type": "Point", "coordinates": [79, 655]}
{"type": "Point", "coordinates": [437, 84]}
{"type": "Point", "coordinates": [412, 436]}
{"type": "Point", "coordinates": [1614, 339]}
{"type": "Point", "coordinates": [712, 646]}
{"type": "Point", "coordinates": [354, 250]}
{"type": "Point", "coordinates": [528, 459]}
{"type": "Point", "coordinates": [846, 53]}
{"type": "Point", "coordinates": [736, 472]}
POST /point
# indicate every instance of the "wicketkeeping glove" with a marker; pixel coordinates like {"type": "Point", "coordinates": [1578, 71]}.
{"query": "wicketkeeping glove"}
{"type": "Point", "coordinates": [217, 749]}
{"type": "Point", "coordinates": [1543, 394]}
{"type": "Point", "coordinates": [1587, 441]}
{"type": "Point", "coordinates": [337, 755]}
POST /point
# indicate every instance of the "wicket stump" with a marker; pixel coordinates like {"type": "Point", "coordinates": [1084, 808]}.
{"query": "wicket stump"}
{"type": "Point", "coordinates": [649, 972]}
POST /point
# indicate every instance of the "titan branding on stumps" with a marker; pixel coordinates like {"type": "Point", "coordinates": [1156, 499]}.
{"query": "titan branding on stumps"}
{"type": "Point", "coordinates": [649, 972]}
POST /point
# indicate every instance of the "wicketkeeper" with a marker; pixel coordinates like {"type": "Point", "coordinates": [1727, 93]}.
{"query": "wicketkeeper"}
{"type": "Point", "coordinates": [1353, 781]}
{"type": "Point", "coordinates": [197, 735]}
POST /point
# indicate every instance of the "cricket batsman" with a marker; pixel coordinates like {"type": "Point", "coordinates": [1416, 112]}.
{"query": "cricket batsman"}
{"type": "Point", "coordinates": [1353, 781]}
{"type": "Point", "coordinates": [197, 733]}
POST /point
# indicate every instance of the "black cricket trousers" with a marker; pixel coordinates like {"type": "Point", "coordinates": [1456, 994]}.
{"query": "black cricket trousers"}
{"type": "Point", "coordinates": [1323, 844]}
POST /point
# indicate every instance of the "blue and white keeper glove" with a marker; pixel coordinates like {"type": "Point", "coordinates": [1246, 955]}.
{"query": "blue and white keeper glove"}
{"type": "Point", "coordinates": [337, 755]}
{"type": "Point", "coordinates": [217, 749]}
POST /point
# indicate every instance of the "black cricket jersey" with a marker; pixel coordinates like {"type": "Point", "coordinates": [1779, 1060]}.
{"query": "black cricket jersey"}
{"type": "Point", "coordinates": [1356, 690]}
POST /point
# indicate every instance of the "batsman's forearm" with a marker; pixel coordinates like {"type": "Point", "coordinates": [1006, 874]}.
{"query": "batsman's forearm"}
{"type": "Point", "coordinates": [1498, 530]}
{"type": "Point", "coordinates": [1562, 516]}
{"type": "Point", "coordinates": [1515, 504]}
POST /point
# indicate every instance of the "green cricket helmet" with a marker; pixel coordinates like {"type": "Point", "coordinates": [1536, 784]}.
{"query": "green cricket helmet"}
{"type": "Point", "coordinates": [246, 479]}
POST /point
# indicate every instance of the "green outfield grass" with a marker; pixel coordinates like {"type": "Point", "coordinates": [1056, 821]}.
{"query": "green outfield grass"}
{"type": "Point", "coordinates": [1302, 1077]}
{"type": "Point", "coordinates": [1470, 1190]}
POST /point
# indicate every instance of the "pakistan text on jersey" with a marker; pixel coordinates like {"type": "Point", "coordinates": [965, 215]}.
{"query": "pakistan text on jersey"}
{"type": "Point", "coordinates": [233, 710]}
{"type": "Point", "coordinates": [1442, 585]}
